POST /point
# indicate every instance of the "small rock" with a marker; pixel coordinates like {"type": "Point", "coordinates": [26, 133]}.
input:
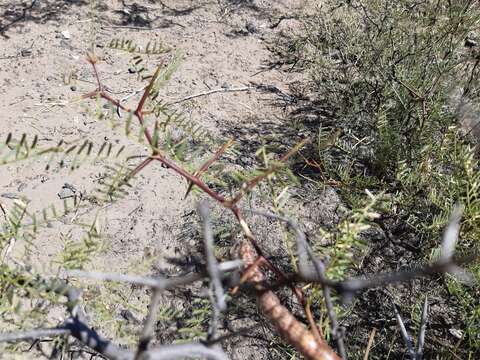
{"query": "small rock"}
{"type": "Point", "coordinates": [456, 333]}
{"type": "Point", "coordinates": [128, 315]}
{"type": "Point", "coordinates": [67, 191]}
{"type": "Point", "coordinates": [64, 43]}
{"type": "Point", "coordinates": [73, 88]}
{"type": "Point", "coordinates": [26, 52]}
{"type": "Point", "coordinates": [470, 43]}
{"type": "Point", "coordinates": [66, 34]}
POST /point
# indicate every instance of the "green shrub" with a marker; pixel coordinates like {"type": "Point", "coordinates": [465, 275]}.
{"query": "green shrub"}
{"type": "Point", "coordinates": [401, 79]}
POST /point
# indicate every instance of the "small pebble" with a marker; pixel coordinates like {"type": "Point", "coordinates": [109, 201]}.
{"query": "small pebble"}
{"type": "Point", "coordinates": [26, 52]}
{"type": "Point", "coordinates": [66, 34]}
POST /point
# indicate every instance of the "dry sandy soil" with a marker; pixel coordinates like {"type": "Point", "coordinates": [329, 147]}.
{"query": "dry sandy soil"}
{"type": "Point", "coordinates": [223, 45]}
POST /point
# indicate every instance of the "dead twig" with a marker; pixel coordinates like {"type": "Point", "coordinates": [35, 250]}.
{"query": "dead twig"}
{"type": "Point", "coordinates": [149, 324]}
{"type": "Point", "coordinates": [154, 282]}
{"type": "Point", "coordinates": [403, 331]}
{"type": "Point", "coordinates": [370, 343]}
{"type": "Point", "coordinates": [423, 328]}
{"type": "Point", "coordinates": [33, 334]}
{"type": "Point", "coordinates": [214, 91]}
{"type": "Point", "coordinates": [212, 264]}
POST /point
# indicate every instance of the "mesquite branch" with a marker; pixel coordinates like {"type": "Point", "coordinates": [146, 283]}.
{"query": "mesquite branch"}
{"type": "Point", "coordinates": [251, 260]}
{"type": "Point", "coordinates": [232, 205]}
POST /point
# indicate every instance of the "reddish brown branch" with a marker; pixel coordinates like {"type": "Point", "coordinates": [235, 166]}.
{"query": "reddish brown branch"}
{"type": "Point", "coordinates": [209, 162]}
{"type": "Point", "coordinates": [139, 167]}
{"type": "Point", "coordinates": [114, 102]}
{"type": "Point", "coordinates": [312, 346]}
{"type": "Point", "coordinates": [92, 59]}
{"type": "Point", "coordinates": [147, 134]}
{"type": "Point", "coordinates": [286, 324]}
{"type": "Point", "coordinates": [195, 180]}
{"type": "Point", "coordinates": [147, 91]}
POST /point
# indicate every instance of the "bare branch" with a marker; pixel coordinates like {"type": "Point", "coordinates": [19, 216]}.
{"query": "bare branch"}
{"type": "Point", "coordinates": [450, 236]}
{"type": "Point", "coordinates": [221, 90]}
{"type": "Point", "coordinates": [423, 328]}
{"type": "Point", "coordinates": [32, 334]}
{"type": "Point", "coordinates": [149, 325]}
{"type": "Point", "coordinates": [349, 287]}
{"type": "Point", "coordinates": [305, 253]}
{"type": "Point", "coordinates": [90, 338]}
{"type": "Point", "coordinates": [93, 340]}
{"type": "Point", "coordinates": [213, 327]}
{"type": "Point", "coordinates": [370, 343]}
{"type": "Point", "coordinates": [337, 333]}
{"type": "Point", "coordinates": [406, 337]}
{"type": "Point", "coordinates": [212, 264]}
{"type": "Point", "coordinates": [154, 282]}
{"type": "Point", "coordinates": [189, 350]}
{"type": "Point", "coordinates": [60, 287]}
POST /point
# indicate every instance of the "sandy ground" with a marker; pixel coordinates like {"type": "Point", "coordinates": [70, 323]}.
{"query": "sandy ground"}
{"type": "Point", "coordinates": [223, 45]}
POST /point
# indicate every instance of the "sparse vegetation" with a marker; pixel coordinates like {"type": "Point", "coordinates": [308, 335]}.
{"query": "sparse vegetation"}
{"type": "Point", "coordinates": [395, 85]}
{"type": "Point", "coordinates": [395, 80]}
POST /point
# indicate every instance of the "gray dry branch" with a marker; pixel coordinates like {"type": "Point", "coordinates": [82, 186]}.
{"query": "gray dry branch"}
{"type": "Point", "coordinates": [291, 329]}
{"type": "Point", "coordinates": [447, 263]}
{"type": "Point", "coordinates": [77, 326]}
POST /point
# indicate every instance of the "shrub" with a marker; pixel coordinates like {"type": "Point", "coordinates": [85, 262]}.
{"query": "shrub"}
{"type": "Point", "coordinates": [400, 81]}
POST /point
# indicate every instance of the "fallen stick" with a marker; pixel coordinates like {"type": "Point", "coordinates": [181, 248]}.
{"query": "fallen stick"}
{"type": "Point", "coordinates": [205, 93]}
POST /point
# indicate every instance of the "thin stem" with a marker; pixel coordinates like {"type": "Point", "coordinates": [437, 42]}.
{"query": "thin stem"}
{"type": "Point", "coordinates": [139, 109]}
{"type": "Point", "coordinates": [370, 343]}
{"type": "Point", "coordinates": [154, 282]}
{"type": "Point", "coordinates": [423, 328]}
{"type": "Point", "coordinates": [149, 325]}
{"type": "Point", "coordinates": [406, 337]}
{"type": "Point", "coordinates": [208, 163]}
{"type": "Point", "coordinates": [139, 168]}
{"type": "Point", "coordinates": [253, 182]}
{"type": "Point", "coordinates": [195, 180]}
{"type": "Point", "coordinates": [99, 84]}
{"type": "Point", "coordinates": [33, 334]}
{"type": "Point", "coordinates": [212, 263]}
